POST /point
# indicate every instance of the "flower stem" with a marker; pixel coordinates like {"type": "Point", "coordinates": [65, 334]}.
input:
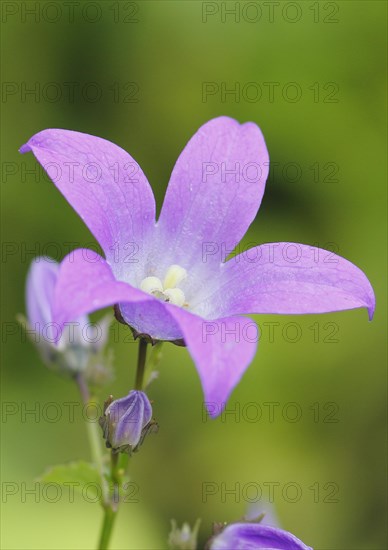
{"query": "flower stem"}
{"type": "Point", "coordinates": [153, 361]}
{"type": "Point", "coordinates": [93, 436]}
{"type": "Point", "coordinates": [141, 362]}
{"type": "Point", "coordinates": [116, 478]}
{"type": "Point", "coordinates": [83, 388]}
{"type": "Point", "coordinates": [107, 527]}
{"type": "Point", "coordinates": [97, 457]}
{"type": "Point", "coordinates": [111, 505]}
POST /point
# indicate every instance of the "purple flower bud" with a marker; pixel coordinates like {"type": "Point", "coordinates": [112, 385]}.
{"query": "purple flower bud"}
{"type": "Point", "coordinates": [253, 536]}
{"type": "Point", "coordinates": [78, 346]}
{"type": "Point", "coordinates": [126, 421]}
{"type": "Point", "coordinates": [41, 280]}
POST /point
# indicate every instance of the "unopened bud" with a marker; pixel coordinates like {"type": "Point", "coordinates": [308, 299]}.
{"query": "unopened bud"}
{"type": "Point", "coordinates": [80, 346]}
{"type": "Point", "coordinates": [126, 421]}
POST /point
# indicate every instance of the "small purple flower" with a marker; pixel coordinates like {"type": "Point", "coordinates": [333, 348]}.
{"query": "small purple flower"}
{"type": "Point", "coordinates": [70, 348]}
{"type": "Point", "coordinates": [126, 420]}
{"type": "Point", "coordinates": [252, 536]}
{"type": "Point", "coordinates": [170, 278]}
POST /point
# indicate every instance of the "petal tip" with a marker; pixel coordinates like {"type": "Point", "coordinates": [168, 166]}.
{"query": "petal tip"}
{"type": "Point", "coordinates": [371, 311]}
{"type": "Point", "coordinates": [25, 148]}
{"type": "Point", "coordinates": [371, 305]}
{"type": "Point", "coordinates": [214, 409]}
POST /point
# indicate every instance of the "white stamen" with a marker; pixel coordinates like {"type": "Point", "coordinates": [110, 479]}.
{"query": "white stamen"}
{"type": "Point", "coordinates": [175, 296]}
{"type": "Point", "coordinates": [175, 275]}
{"type": "Point", "coordinates": [167, 290]}
{"type": "Point", "coordinates": [151, 284]}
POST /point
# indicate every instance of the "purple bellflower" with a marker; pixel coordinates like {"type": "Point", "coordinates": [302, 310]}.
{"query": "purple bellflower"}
{"type": "Point", "coordinates": [126, 421]}
{"type": "Point", "coordinates": [75, 347]}
{"type": "Point", "coordinates": [253, 536]}
{"type": "Point", "coordinates": [170, 278]}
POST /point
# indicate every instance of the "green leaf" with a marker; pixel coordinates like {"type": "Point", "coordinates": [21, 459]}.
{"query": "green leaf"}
{"type": "Point", "coordinates": [80, 475]}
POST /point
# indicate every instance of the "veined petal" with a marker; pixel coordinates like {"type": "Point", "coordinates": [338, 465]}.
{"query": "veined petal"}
{"type": "Point", "coordinates": [290, 278]}
{"type": "Point", "coordinates": [214, 192]}
{"type": "Point", "coordinates": [103, 184]}
{"type": "Point", "coordinates": [221, 350]}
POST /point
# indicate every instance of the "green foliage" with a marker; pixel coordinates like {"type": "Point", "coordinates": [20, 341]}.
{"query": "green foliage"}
{"type": "Point", "coordinates": [79, 474]}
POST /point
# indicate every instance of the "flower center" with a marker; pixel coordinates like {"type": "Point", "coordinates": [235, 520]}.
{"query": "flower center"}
{"type": "Point", "coordinates": [167, 290]}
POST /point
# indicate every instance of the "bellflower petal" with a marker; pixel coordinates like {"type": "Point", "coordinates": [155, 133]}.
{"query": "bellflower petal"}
{"type": "Point", "coordinates": [86, 285]}
{"type": "Point", "coordinates": [221, 351]}
{"type": "Point", "coordinates": [214, 191]}
{"type": "Point", "coordinates": [253, 536]}
{"type": "Point", "coordinates": [153, 318]}
{"type": "Point", "coordinates": [103, 184]}
{"type": "Point", "coordinates": [290, 278]}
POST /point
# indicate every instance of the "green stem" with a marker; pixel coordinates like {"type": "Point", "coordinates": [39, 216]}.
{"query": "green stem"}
{"type": "Point", "coordinates": [94, 436]}
{"type": "Point", "coordinates": [152, 363]}
{"type": "Point", "coordinates": [111, 506]}
{"type": "Point", "coordinates": [107, 527]}
{"type": "Point", "coordinates": [141, 362]}
{"type": "Point", "coordinates": [83, 388]}
{"type": "Point", "coordinates": [116, 478]}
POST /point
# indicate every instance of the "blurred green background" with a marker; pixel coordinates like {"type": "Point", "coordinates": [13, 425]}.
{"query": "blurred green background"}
{"type": "Point", "coordinates": [335, 133]}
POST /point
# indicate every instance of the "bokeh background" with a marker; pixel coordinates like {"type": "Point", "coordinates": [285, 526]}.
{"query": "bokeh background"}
{"type": "Point", "coordinates": [335, 373]}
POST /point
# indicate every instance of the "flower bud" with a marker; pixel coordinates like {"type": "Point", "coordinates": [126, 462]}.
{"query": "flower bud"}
{"type": "Point", "coordinates": [254, 535]}
{"type": "Point", "coordinates": [80, 347]}
{"type": "Point", "coordinates": [127, 421]}
{"type": "Point", "coordinates": [184, 538]}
